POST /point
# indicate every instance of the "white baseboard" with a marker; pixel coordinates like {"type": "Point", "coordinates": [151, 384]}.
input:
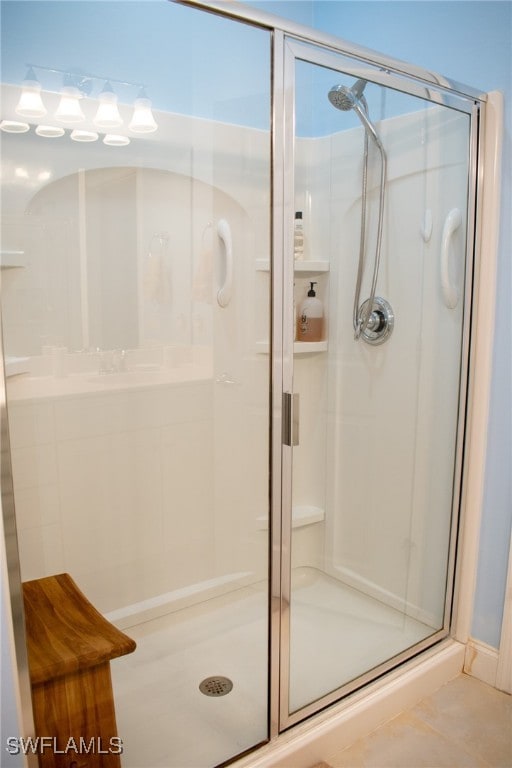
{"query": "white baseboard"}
{"type": "Point", "coordinates": [481, 661]}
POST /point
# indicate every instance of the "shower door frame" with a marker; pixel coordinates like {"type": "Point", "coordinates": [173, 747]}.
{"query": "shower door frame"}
{"type": "Point", "coordinates": [289, 48]}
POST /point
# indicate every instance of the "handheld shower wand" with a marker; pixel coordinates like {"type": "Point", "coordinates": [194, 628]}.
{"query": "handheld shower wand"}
{"type": "Point", "coordinates": [368, 321]}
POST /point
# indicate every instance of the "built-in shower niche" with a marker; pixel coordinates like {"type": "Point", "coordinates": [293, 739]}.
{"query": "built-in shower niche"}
{"type": "Point", "coordinates": [137, 379]}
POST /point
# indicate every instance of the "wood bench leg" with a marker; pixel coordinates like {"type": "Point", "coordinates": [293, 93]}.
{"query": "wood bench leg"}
{"type": "Point", "coordinates": [77, 712]}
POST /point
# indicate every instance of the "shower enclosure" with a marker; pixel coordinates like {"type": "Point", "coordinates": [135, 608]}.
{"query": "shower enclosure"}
{"type": "Point", "coordinates": [378, 199]}
{"type": "Point", "coordinates": [274, 522]}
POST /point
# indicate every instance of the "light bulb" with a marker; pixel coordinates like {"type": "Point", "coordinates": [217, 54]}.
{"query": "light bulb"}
{"type": "Point", "coordinates": [31, 103]}
{"type": "Point", "coordinates": [69, 109]}
{"type": "Point", "coordinates": [142, 120]}
{"type": "Point", "coordinates": [108, 115]}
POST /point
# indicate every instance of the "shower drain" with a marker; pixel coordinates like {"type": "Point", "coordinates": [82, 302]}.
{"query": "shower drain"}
{"type": "Point", "coordinates": [215, 686]}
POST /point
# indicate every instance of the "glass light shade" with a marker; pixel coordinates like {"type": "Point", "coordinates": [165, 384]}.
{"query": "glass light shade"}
{"type": "Point", "coordinates": [113, 140]}
{"type": "Point", "coordinates": [50, 131]}
{"type": "Point", "coordinates": [31, 103]}
{"type": "Point", "coordinates": [108, 115]}
{"type": "Point", "coordinates": [84, 136]}
{"type": "Point", "coordinates": [143, 120]}
{"type": "Point", "coordinates": [12, 126]}
{"type": "Point", "coordinates": [69, 109]}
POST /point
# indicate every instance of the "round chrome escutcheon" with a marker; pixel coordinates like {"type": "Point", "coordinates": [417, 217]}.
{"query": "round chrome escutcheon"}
{"type": "Point", "coordinates": [381, 322]}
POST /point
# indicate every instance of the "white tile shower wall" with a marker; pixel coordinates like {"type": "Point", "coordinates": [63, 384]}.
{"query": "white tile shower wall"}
{"type": "Point", "coordinates": [446, 154]}
{"type": "Point", "coordinates": [107, 495]}
{"type": "Point", "coordinates": [382, 534]}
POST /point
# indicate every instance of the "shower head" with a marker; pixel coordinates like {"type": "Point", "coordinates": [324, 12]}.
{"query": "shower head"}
{"type": "Point", "coordinates": [345, 98]}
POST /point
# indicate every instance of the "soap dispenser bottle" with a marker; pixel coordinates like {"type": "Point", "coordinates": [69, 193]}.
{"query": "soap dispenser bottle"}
{"type": "Point", "coordinates": [310, 321]}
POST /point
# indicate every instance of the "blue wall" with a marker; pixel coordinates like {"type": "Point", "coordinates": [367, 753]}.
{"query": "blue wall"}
{"type": "Point", "coordinates": [469, 42]}
{"type": "Point", "coordinates": [191, 62]}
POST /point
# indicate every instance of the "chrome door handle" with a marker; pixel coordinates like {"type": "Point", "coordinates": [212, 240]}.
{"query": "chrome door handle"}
{"type": "Point", "coordinates": [290, 418]}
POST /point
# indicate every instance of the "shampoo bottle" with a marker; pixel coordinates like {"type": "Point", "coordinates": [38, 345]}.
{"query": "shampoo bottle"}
{"type": "Point", "coordinates": [298, 236]}
{"type": "Point", "coordinates": [310, 321]}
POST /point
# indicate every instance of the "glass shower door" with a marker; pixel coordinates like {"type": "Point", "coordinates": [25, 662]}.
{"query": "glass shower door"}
{"type": "Point", "coordinates": [132, 307]}
{"type": "Point", "coordinates": [381, 180]}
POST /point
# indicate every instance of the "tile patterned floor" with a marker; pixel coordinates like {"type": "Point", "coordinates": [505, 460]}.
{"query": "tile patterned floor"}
{"type": "Point", "coordinates": [465, 724]}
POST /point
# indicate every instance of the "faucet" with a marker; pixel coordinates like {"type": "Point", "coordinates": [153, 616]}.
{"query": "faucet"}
{"type": "Point", "coordinates": [111, 360]}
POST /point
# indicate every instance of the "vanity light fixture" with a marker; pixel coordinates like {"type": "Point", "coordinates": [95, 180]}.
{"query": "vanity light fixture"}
{"type": "Point", "coordinates": [77, 88]}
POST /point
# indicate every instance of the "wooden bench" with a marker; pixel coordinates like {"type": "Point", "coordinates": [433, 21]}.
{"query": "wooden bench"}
{"type": "Point", "coordinates": [70, 645]}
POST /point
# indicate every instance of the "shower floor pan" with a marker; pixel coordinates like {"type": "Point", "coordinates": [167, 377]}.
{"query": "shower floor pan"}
{"type": "Point", "coordinates": [164, 719]}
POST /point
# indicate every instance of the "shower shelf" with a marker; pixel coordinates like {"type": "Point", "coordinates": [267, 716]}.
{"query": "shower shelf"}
{"type": "Point", "coordinates": [299, 347]}
{"type": "Point", "coordinates": [9, 259]}
{"type": "Point", "coordinates": [301, 516]}
{"type": "Point", "coordinates": [263, 265]}
{"type": "Point", "coordinates": [16, 365]}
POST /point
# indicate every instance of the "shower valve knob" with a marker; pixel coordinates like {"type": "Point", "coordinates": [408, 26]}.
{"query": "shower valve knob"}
{"type": "Point", "coordinates": [380, 323]}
